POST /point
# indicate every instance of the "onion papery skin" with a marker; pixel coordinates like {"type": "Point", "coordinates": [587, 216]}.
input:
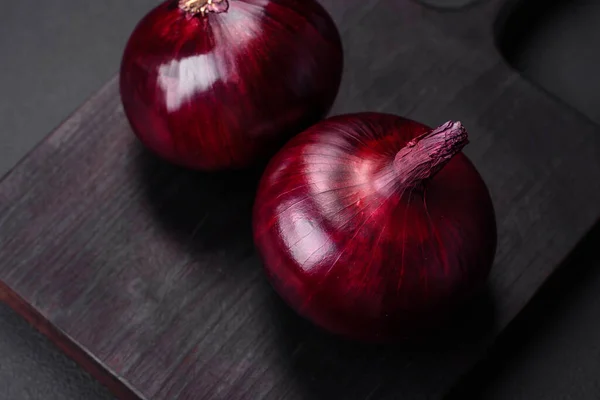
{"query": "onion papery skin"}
{"type": "Point", "coordinates": [225, 90]}
{"type": "Point", "coordinates": [353, 248]}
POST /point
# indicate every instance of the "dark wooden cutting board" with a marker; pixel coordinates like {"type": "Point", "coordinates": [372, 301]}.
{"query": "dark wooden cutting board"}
{"type": "Point", "coordinates": [146, 274]}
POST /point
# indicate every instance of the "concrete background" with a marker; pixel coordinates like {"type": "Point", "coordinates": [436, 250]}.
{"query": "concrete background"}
{"type": "Point", "coordinates": [55, 54]}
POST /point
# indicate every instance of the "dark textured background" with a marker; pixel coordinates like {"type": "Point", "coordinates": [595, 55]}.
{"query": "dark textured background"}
{"type": "Point", "coordinates": [56, 54]}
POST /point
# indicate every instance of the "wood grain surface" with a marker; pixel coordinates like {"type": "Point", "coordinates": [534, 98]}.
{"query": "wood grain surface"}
{"type": "Point", "coordinates": [147, 274]}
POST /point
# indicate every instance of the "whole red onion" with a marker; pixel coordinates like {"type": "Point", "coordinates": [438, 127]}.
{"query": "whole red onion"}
{"type": "Point", "coordinates": [375, 227]}
{"type": "Point", "coordinates": [218, 84]}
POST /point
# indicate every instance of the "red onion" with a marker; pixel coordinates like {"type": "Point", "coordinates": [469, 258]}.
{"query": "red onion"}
{"type": "Point", "coordinates": [218, 84]}
{"type": "Point", "coordinates": [375, 227]}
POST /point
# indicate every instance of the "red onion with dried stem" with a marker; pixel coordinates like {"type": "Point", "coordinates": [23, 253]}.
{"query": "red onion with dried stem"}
{"type": "Point", "coordinates": [375, 227]}
{"type": "Point", "coordinates": [222, 84]}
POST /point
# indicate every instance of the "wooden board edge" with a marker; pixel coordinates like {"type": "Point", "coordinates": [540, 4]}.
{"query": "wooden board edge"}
{"type": "Point", "coordinates": [104, 89]}
{"type": "Point", "coordinates": [68, 346]}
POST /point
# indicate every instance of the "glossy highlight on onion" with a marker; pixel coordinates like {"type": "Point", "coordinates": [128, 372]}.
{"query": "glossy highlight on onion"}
{"type": "Point", "coordinates": [222, 84]}
{"type": "Point", "coordinates": [375, 227]}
